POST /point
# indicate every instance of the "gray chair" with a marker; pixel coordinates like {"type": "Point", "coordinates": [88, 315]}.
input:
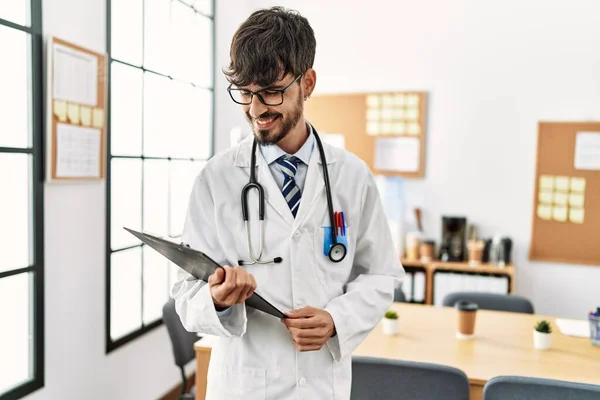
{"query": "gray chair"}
{"type": "Point", "coordinates": [491, 301]}
{"type": "Point", "coordinates": [382, 379]}
{"type": "Point", "coordinates": [182, 343]}
{"type": "Point", "coordinates": [524, 388]}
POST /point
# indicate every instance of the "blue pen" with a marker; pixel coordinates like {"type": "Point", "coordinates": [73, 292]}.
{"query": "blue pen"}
{"type": "Point", "coordinates": [343, 225]}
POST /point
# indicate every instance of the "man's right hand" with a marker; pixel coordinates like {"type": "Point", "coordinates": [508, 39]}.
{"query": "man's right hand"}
{"type": "Point", "coordinates": [229, 286]}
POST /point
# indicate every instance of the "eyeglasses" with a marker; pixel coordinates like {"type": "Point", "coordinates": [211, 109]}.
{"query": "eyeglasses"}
{"type": "Point", "coordinates": [267, 96]}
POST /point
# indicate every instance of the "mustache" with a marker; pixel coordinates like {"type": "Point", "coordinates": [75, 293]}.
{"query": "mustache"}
{"type": "Point", "coordinates": [264, 115]}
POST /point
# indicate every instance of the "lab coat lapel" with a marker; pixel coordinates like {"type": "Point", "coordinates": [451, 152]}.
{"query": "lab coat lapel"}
{"type": "Point", "coordinates": [314, 184]}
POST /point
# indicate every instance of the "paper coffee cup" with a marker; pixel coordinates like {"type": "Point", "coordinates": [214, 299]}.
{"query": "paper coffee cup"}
{"type": "Point", "coordinates": [467, 312]}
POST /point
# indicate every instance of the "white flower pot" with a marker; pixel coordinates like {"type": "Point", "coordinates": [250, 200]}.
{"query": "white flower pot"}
{"type": "Point", "coordinates": [541, 340]}
{"type": "Point", "coordinates": [390, 326]}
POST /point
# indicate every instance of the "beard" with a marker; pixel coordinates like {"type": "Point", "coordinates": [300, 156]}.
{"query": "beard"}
{"type": "Point", "coordinates": [284, 125]}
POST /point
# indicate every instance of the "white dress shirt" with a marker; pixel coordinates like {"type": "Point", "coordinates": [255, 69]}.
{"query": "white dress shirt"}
{"type": "Point", "coordinates": [272, 152]}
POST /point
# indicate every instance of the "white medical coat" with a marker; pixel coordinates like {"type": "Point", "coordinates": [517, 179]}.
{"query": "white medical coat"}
{"type": "Point", "coordinates": [255, 357]}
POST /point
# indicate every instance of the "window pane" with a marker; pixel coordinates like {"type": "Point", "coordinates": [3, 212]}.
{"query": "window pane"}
{"type": "Point", "coordinates": [126, 200]}
{"type": "Point", "coordinates": [183, 33]}
{"type": "Point", "coordinates": [125, 292]}
{"type": "Point", "coordinates": [190, 133]}
{"type": "Point", "coordinates": [16, 11]}
{"type": "Point", "coordinates": [126, 110]}
{"type": "Point", "coordinates": [16, 362]}
{"type": "Point", "coordinates": [15, 87]}
{"type": "Point", "coordinates": [204, 6]}
{"type": "Point", "coordinates": [183, 174]}
{"type": "Point", "coordinates": [126, 30]}
{"type": "Point", "coordinates": [156, 197]}
{"type": "Point", "coordinates": [192, 45]}
{"type": "Point", "coordinates": [158, 119]}
{"type": "Point", "coordinates": [200, 120]}
{"type": "Point", "coordinates": [183, 106]}
{"type": "Point", "coordinates": [14, 213]}
{"type": "Point", "coordinates": [205, 51]}
{"type": "Point", "coordinates": [157, 54]}
{"type": "Point", "coordinates": [156, 281]}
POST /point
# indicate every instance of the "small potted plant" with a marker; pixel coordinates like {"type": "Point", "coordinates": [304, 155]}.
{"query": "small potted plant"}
{"type": "Point", "coordinates": [542, 335]}
{"type": "Point", "coordinates": [390, 323]}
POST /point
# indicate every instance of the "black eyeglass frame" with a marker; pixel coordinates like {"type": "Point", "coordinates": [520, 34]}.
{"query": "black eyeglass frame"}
{"type": "Point", "coordinates": [258, 93]}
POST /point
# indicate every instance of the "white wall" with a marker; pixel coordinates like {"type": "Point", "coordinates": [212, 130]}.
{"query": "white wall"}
{"type": "Point", "coordinates": [230, 13]}
{"type": "Point", "coordinates": [76, 364]}
{"type": "Point", "coordinates": [493, 70]}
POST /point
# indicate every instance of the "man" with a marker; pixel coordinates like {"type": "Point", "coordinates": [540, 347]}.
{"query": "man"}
{"type": "Point", "coordinates": [330, 306]}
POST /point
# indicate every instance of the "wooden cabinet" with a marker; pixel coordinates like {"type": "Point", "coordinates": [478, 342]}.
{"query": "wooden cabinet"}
{"type": "Point", "coordinates": [430, 269]}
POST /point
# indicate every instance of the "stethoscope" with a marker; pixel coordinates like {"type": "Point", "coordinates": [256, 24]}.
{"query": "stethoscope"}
{"type": "Point", "coordinates": [337, 251]}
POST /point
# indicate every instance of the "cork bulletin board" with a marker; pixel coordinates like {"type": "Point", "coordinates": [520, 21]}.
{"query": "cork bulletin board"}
{"type": "Point", "coordinates": [387, 130]}
{"type": "Point", "coordinates": [566, 209]}
{"type": "Point", "coordinates": [75, 112]}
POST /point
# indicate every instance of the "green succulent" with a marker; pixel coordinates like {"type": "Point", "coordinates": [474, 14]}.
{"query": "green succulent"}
{"type": "Point", "coordinates": [543, 326]}
{"type": "Point", "coordinates": [390, 314]}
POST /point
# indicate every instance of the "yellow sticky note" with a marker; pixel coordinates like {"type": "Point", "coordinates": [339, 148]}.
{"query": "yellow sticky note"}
{"type": "Point", "coordinates": [399, 100]}
{"type": "Point", "coordinates": [398, 113]}
{"type": "Point", "coordinates": [386, 114]}
{"type": "Point", "coordinates": [546, 196]}
{"type": "Point", "coordinates": [373, 115]}
{"type": "Point", "coordinates": [414, 128]}
{"type": "Point", "coordinates": [98, 118]}
{"type": "Point", "coordinates": [576, 200]}
{"type": "Point", "coordinates": [399, 128]}
{"type": "Point", "coordinates": [373, 128]}
{"type": "Point", "coordinates": [387, 100]}
{"type": "Point", "coordinates": [559, 213]}
{"type": "Point", "coordinates": [544, 211]}
{"type": "Point", "coordinates": [412, 114]}
{"type": "Point", "coordinates": [577, 185]}
{"type": "Point", "coordinates": [546, 182]}
{"type": "Point", "coordinates": [560, 198]}
{"type": "Point", "coordinates": [413, 100]}
{"type": "Point", "coordinates": [562, 183]}
{"type": "Point", "coordinates": [73, 113]}
{"type": "Point", "coordinates": [86, 116]}
{"type": "Point", "coordinates": [386, 128]}
{"type": "Point", "coordinates": [60, 110]}
{"type": "Point", "coordinates": [576, 215]}
{"type": "Point", "coordinates": [373, 101]}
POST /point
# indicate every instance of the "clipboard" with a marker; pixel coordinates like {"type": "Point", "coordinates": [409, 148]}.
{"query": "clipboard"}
{"type": "Point", "coordinates": [198, 265]}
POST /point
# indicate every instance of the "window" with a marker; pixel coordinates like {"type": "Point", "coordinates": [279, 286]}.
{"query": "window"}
{"type": "Point", "coordinates": [21, 202]}
{"type": "Point", "coordinates": [160, 136]}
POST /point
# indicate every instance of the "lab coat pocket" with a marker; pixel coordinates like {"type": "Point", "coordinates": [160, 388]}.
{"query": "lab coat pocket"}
{"type": "Point", "coordinates": [237, 382]}
{"type": "Point", "coordinates": [331, 274]}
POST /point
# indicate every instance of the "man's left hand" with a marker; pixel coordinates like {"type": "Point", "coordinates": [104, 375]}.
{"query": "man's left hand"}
{"type": "Point", "coordinates": [310, 327]}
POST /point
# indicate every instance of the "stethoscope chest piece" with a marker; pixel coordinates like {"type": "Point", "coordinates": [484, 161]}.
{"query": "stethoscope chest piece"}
{"type": "Point", "coordinates": [337, 252]}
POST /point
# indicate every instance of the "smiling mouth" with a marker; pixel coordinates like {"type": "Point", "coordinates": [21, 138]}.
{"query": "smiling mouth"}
{"type": "Point", "coordinates": [265, 122]}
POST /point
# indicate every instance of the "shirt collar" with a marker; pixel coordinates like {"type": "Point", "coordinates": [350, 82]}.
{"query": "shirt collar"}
{"type": "Point", "coordinates": [273, 152]}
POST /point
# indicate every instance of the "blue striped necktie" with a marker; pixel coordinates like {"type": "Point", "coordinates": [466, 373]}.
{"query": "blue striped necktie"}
{"type": "Point", "coordinates": [290, 190]}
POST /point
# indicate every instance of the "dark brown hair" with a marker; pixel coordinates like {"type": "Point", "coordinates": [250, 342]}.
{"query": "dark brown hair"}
{"type": "Point", "coordinates": [270, 44]}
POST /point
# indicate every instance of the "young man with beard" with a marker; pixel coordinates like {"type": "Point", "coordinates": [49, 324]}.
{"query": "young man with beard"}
{"type": "Point", "coordinates": [334, 290]}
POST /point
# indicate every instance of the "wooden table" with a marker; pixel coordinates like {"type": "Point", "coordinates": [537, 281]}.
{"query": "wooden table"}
{"type": "Point", "coordinates": [503, 346]}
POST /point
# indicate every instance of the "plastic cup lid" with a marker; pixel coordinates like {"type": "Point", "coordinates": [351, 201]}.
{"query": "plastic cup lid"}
{"type": "Point", "coordinates": [464, 305]}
